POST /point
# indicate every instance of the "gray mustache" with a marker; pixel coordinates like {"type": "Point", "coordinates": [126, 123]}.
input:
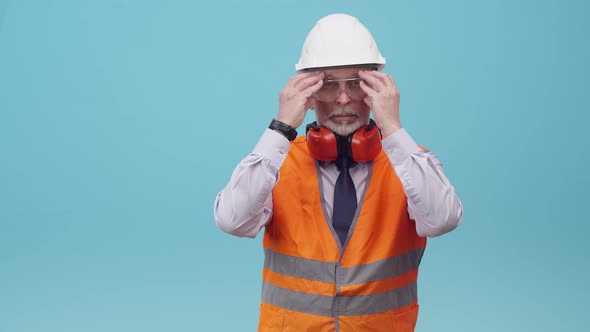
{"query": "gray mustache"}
{"type": "Point", "coordinates": [344, 113]}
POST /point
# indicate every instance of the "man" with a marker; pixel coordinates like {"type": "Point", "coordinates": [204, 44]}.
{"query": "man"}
{"type": "Point", "coordinates": [346, 208]}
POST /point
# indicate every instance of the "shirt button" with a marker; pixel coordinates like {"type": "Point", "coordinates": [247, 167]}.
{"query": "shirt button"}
{"type": "Point", "coordinates": [282, 151]}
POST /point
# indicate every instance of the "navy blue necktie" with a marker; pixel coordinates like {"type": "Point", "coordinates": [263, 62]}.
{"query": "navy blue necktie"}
{"type": "Point", "coordinates": [344, 199]}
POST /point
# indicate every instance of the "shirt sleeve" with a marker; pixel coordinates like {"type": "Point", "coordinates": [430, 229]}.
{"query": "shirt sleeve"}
{"type": "Point", "coordinates": [432, 202]}
{"type": "Point", "coordinates": [244, 206]}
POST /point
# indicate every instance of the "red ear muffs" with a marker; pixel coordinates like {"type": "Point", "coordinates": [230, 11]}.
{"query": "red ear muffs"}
{"type": "Point", "coordinates": [321, 143]}
{"type": "Point", "coordinates": [363, 145]}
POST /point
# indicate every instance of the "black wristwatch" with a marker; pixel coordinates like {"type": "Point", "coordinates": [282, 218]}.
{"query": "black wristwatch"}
{"type": "Point", "coordinates": [284, 129]}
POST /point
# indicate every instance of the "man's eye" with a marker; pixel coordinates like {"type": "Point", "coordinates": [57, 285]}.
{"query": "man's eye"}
{"type": "Point", "coordinates": [330, 85]}
{"type": "Point", "coordinates": [354, 84]}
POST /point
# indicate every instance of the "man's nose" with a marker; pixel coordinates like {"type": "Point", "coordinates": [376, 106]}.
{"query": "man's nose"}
{"type": "Point", "coordinates": [343, 98]}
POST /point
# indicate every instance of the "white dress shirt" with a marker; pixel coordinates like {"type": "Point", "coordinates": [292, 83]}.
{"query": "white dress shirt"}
{"type": "Point", "coordinates": [244, 206]}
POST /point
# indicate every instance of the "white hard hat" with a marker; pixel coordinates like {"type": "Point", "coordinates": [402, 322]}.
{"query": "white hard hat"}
{"type": "Point", "coordinates": [339, 40]}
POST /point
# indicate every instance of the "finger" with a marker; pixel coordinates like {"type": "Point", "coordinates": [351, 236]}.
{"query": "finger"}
{"type": "Point", "coordinates": [390, 82]}
{"type": "Point", "coordinates": [368, 101]}
{"type": "Point", "coordinates": [294, 80]}
{"type": "Point", "coordinates": [381, 76]}
{"type": "Point", "coordinates": [305, 83]}
{"type": "Point", "coordinates": [386, 78]}
{"type": "Point", "coordinates": [373, 81]}
{"type": "Point", "coordinates": [390, 78]}
{"type": "Point", "coordinates": [312, 89]}
{"type": "Point", "coordinates": [291, 91]}
{"type": "Point", "coordinates": [367, 89]}
{"type": "Point", "coordinates": [393, 82]}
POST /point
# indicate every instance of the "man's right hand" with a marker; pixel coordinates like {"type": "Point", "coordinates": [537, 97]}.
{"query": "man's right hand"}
{"type": "Point", "coordinates": [296, 97]}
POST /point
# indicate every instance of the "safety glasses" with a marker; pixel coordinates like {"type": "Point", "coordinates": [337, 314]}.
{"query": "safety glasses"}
{"type": "Point", "coordinates": [333, 87]}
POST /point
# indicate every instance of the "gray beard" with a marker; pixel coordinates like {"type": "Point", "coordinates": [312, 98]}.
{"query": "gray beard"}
{"type": "Point", "coordinates": [344, 129]}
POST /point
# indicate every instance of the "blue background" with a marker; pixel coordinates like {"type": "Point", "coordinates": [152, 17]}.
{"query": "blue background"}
{"type": "Point", "coordinates": [121, 120]}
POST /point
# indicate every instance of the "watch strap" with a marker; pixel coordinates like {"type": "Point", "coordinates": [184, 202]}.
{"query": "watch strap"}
{"type": "Point", "coordinates": [289, 132]}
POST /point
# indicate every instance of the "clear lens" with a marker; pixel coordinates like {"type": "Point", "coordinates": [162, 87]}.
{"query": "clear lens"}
{"type": "Point", "coordinates": [332, 88]}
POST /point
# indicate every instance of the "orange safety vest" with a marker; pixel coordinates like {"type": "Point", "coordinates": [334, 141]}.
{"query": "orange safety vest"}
{"type": "Point", "coordinates": [310, 283]}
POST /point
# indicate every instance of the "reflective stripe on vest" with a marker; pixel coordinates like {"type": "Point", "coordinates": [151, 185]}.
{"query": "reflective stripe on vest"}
{"type": "Point", "coordinates": [323, 271]}
{"type": "Point", "coordinates": [345, 305]}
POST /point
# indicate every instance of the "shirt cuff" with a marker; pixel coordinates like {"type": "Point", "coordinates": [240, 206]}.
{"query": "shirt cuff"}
{"type": "Point", "coordinates": [399, 146]}
{"type": "Point", "coordinates": [273, 146]}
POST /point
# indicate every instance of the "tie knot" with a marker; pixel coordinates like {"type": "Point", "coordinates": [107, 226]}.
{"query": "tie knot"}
{"type": "Point", "coordinates": [343, 162]}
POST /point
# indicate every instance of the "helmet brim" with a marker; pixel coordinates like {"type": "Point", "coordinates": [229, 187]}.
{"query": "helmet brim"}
{"type": "Point", "coordinates": [373, 66]}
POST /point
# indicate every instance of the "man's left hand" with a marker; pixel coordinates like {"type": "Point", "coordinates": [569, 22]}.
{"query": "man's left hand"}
{"type": "Point", "coordinates": [383, 99]}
